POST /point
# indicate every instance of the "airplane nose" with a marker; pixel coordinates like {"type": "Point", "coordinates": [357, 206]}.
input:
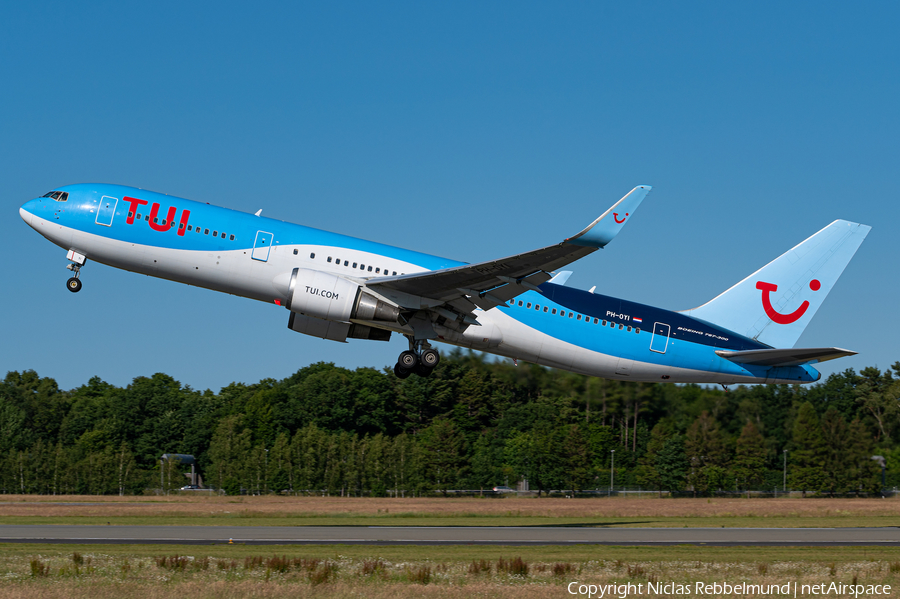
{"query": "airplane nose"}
{"type": "Point", "coordinates": [26, 216]}
{"type": "Point", "coordinates": [29, 209]}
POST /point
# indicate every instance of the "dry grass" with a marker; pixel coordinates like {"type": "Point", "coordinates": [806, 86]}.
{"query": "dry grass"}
{"type": "Point", "coordinates": [199, 575]}
{"type": "Point", "coordinates": [205, 507]}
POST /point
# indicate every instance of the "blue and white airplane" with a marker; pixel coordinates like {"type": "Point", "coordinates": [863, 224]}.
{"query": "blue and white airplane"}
{"type": "Point", "coordinates": [338, 287]}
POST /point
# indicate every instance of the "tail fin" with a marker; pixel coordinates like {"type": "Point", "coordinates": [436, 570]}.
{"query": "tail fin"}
{"type": "Point", "coordinates": [774, 304]}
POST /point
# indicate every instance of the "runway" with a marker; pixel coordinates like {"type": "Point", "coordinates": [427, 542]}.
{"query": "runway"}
{"type": "Point", "coordinates": [457, 535]}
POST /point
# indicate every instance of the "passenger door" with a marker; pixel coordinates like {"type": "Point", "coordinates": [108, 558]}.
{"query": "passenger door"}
{"type": "Point", "coordinates": [261, 246]}
{"type": "Point", "coordinates": [660, 340]}
{"type": "Point", "coordinates": [106, 210]}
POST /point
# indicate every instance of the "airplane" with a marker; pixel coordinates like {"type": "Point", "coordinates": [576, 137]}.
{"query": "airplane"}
{"type": "Point", "coordinates": [338, 288]}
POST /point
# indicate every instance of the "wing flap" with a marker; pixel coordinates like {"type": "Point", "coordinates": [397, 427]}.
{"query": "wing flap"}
{"type": "Point", "coordinates": [785, 357]}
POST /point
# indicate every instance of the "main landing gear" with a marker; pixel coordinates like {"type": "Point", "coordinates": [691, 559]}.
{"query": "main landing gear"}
{"type": "Point", "coordinates": [78, 260]}
{"type": "Point", "coordinates": [421, 358]}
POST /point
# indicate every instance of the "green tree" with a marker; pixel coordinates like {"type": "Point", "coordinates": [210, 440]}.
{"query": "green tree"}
{"type": "Point", "coordinates": [443, 454]}
{"type": "Point", "coordinates": [229, 450]}
{"type": "Point", "coordinates": [749, 464]}
{"type": "Point", "coordinates": [648, 473]}
{"type": "Point", "coordinates": [705, 448]}
{"type": "Point", "coordinates": [863, 471]}
{"type": "Point", "coordinates": [672, 464]}
{"type": "Point", "coordinates": [835, 458]}
{"type": "Point", "coordinates": [806, 471]}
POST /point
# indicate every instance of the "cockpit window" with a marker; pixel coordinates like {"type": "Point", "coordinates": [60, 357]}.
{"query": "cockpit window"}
{"type": "Point", "coordinates": [59, 196]}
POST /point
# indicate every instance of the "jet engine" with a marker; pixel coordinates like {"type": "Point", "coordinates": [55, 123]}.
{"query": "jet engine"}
{"type": "Point", "coordinates": [329, 297]}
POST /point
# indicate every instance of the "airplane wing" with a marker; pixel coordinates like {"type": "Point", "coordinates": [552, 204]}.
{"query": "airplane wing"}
{"type": "Point", "coordinates": [489, 284]}
{"type": "Point", "coordinates": [785, 357]}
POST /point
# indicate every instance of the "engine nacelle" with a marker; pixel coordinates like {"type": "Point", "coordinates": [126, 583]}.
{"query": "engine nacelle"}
{"type": "Point", "coordinates": [321, 295]}
{"type": "Point", "coordinates": [329, 297]}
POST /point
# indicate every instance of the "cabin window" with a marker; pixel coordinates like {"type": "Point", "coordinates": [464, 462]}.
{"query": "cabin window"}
{"type": "Point", "coordinates": [354, 265]}
{"type": "Point", "coordinates": [571, 314]}
{"type": "Point", "coordinates": [537, 307]}
{"type": "Point", "coordinates": [139, 216]}
{"type": "Point", "coordinates": [206, 231]}
{"type": "Point", "coordinates": [394, 273]}
{"type": "Point", "coordinates": [546, 308]}
{"type": "Point", "coordinates": [578, 317]}
{"type": "Point", "coordinates": [362, 266]}
{"type": "Point", "coordinates": [156, 220]}
{"type": "Point", "coordinates": [629, 329]}
{"type": "Point", "coordinates": [329, 259]}
{"type": "Point", "coordinates": [190, 227]}
{"type": "Point", "coordinates": [130, 214]}
{"type": "Point", "coordinates": [520, 302]}
{"type": "Point", "coordinates": [596, 320]}
{"type": "Point", "coordinates": [553, 311]}
{"type": "Point", "coordinates": [621, 326]}
{"type": "Point", "coordinates": [296, 251]}
{"type": "Point", "coordinates": [215, 233]}
{"type": "Point", "coordinates": [602, 323]}
{"type": "Point", "coordinates": [528, 305]}
{"type": "Point", "coordinates": [346, 263]}
{"type": "Point", "coordinates": [223, 234]}
{"type": "Point", "coordinates": [312, 255]}
{"type": "Point", "coordinates": [180, 226]}
{"type": "Point", "coordinates": [638, 331]}
{"type": "Point", "coordinates": [231, 238]}
{"type": "Point", "coordinates": [377, 270]}
{"type": "Point", "coordinates": [370, 269]}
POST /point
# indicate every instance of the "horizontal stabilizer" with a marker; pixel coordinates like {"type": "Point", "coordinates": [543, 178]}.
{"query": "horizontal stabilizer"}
{"type": "Point", "coordinates": [561, 277]}
{"type": "Point", "coordinates": [785, 357]}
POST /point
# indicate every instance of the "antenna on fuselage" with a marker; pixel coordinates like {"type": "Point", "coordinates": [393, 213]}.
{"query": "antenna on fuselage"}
{"type": "Point", "coordinates": [258, 212]}
{"type": "Point", "coordinates": [591, 290]}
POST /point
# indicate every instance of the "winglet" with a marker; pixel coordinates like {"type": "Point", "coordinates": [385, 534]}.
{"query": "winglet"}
{"type": "Point", "coordinates": [607, 226]}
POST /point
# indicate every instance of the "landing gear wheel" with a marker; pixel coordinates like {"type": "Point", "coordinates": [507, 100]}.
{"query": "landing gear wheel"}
{"type": "Point", "coordinates": [401, 372]}
{"type": "Point", "coordinates": [423, 371]}
{"type": "Point", "coordinates": [407, 360]}
{"type": "Point", "coordinates": [429, 358]}
{"type": "Point", "coordinates": [73, 285]}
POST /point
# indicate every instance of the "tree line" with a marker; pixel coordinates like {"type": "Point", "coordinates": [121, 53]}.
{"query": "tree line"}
{"type": "Point", "coordinates": [473, 424]}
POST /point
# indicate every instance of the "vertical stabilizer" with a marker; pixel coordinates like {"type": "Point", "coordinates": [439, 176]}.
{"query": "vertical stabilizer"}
{"type": "Point", "coordinates": [774, 304]}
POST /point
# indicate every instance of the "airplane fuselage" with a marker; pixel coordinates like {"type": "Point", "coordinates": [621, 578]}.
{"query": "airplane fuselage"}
{"type": "Point", "coordinates": [247, 255]}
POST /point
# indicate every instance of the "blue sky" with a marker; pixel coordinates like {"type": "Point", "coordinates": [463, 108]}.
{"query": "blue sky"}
{"type": "Point", "coordinates": [465, 130]}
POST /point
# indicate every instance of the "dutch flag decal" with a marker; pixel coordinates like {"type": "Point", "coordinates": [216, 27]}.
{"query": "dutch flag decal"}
{"type": "Point", "coordinates": [638, 320]}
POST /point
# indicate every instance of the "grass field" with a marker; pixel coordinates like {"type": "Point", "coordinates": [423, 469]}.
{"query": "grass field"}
{"type": "Point", "coordinates": [398, 572]}
{"type": "Point", "coordinates": [324, 511]}
{"type": "Point", "coordinates": [353, 571]}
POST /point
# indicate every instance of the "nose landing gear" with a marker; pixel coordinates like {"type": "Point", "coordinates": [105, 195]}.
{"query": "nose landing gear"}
{"type": "Point", "coordinates": [78, 260]}
{"type": "Point", "coordinates": [421, 358]}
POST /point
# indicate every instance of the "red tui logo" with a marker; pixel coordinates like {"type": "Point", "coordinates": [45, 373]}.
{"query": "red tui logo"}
{"type": "Point", "coordinates": [772, 313]}
{"type": "Point", "coordinates": [153, 218]}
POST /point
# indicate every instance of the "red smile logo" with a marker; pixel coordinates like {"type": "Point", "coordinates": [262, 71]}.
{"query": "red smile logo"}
{"type": "Point", "coordinates": [776, 316]}
{"type": "Point", "coordinates": [616, 217]}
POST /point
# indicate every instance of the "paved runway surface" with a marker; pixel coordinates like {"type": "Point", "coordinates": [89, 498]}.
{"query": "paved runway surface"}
{"type": "Point", "coordinates": [436, 535]}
